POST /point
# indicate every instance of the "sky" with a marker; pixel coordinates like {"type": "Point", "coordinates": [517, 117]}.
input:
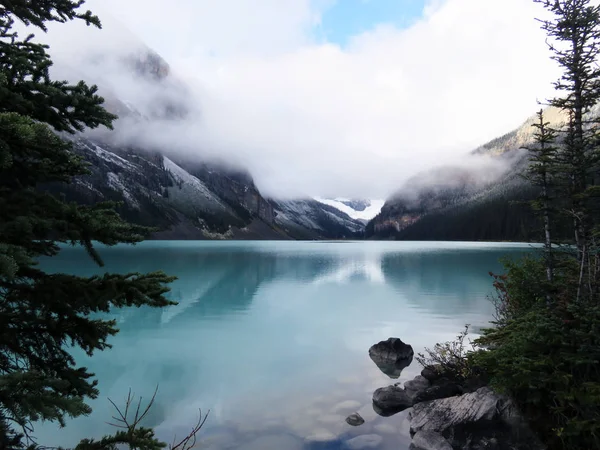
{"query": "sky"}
{"type": "Point", "coordinates": [333, 98]}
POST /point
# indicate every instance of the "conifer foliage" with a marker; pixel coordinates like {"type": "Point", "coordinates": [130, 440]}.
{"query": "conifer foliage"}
{"type": "Point", "coordinates": [545, 347]}
{"type": "Point", "coordinates": [42, 314]}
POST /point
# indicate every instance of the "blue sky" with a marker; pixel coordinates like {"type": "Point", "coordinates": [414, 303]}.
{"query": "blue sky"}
{"type": "Point", "coordinates": [347, 18]}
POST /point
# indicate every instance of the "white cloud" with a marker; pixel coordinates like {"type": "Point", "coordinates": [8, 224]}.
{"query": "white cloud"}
{"type": "Point", "coordinates": [311, 117]}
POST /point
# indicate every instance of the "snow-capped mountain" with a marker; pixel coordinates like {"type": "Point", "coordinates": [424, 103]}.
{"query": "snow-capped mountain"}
{"type": "Point", "coordinates": [468, 202]}
{"type": "Point", "coordinates": [362, 210]}
{"type": "Point", "coordinates": [309, 219]}
{"type": "Point", "coordinates": [183, 197]}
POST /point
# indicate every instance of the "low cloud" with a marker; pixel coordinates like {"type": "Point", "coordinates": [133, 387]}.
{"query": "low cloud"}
{"type": "Point", "coordinates": [310, 117]}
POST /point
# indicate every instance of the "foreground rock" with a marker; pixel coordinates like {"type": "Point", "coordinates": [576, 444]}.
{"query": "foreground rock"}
{"type": "Point", "coordinates": [391, 351]}
{"type": "Point", "coordinates": [391, 356]}
{"type": "Point", "coordinates": [441, 415]}
{"type": "Point", "coordinates": [355, 420]}
{"type": "Point", "coordinates": [416, 385]}
{"type": "Point", "coordinates": [391, 400]}
{"type": "Point", "coordinates": [429, 440]}
{"type": "Point", "coordinates": [473, 421]}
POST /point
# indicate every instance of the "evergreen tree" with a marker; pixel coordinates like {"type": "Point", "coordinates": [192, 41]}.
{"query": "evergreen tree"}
{"type": "Point", "coordinates": [41, 314]}
{"type": "Point", "coordinates": [539, 172]}
{"type": "Point", "coordinates": [575, 42]}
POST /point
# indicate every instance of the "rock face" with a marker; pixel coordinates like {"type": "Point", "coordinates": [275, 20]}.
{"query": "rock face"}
{"type": "Point", "coordinates": [391, 356]}
{"type": "Point", "coordinates": [391, 400]}
{"type": "Point", "coordinates": [473, 421]}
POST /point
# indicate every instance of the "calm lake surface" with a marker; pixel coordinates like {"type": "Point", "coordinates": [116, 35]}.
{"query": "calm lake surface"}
{"type": "Point", "coordinates": [273, 337]}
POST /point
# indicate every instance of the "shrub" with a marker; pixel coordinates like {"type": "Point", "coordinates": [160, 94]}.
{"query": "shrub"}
{"type": "Point", "coordinates": [546, 356]}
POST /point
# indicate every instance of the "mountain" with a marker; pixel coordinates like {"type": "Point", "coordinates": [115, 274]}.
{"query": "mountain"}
{"type": "Point", "coordinates": [468, 202]}
{"type": "Point", "coordinates": [184, 197]}
{"type": "Point", "coordinates": [310, 219]}
{"type": "Point", "coordinates": [361, 210]}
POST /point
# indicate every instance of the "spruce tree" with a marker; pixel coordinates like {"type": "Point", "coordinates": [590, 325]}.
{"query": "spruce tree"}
{"type": "Point", "coordinates": [574, 31]}
{"type": "Point", "coordinates": [542, 165]}
{"type": "Point", "coordinates": [42, 315]}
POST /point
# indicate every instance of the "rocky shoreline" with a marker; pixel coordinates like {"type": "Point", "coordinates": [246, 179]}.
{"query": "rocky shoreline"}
{"type": "Point", "coordinates": [446, 414]}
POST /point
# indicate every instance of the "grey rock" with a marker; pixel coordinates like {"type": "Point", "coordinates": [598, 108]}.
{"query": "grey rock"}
{"type": "Point", "coordinates": [355, 420]}
{"type": "Point", "coordinates": [416, 385]}
{"type": "Point", "coordinates": [364, 441]}
{"type": "Point", "coordinates": [442, 388]}
{"type": "Point", "coordinates": [481, 420]}
{"type": "Point", "coordinates": [391, 351]}
{"type": "Point", "coordinates": [441, 415]}
{"type": "Point", "coordinates": [390, 400]}
{"type": "Point", "coordinates": [430, 440]}
{"type": "Point", "coordinates": [391, 356]}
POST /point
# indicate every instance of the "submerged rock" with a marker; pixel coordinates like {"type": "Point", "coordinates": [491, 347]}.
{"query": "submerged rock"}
{"type": "Point", "coordinates": [391, 356]}
{"type": "Point", "coordinates": [364, 441]}
{"type": "Point", "coordinates": [355, 420]}
{"type": "Point", "coordinates": [429, 440]}
{"type": "Point", "coordinates": [391, 400]}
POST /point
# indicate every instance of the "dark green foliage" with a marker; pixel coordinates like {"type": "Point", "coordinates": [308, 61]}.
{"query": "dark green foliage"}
{"type": "Point", "coordinates": [544, 347]}
{"type": "Point", "coordinates": [42, 316]}
{"type": "Point", "coordinates": [548, 359]}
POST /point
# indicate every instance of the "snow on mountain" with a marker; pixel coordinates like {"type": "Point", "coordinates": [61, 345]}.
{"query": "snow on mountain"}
{"type": "Point", "coordinates": [363, 210]}
{"type": "Point", "coordinates": [310, 219]}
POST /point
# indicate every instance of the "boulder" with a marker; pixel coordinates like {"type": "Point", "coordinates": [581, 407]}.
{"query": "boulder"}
{"type": "Point", "coordinates": [474, 421]}
{"type": "Point", "coordinates": [429, 440]}
{"type": "Point", "coordinates": [390, 400]}
{"type": "Point", "coordinates": [441, 388]}
{"type": "Point", "coordinates": [441, 415]}
{"type": "Point", "coordinates": [391, 351]}
{"type": "Point", "coordinates": [355, 420]}
{"type": "Point", "coordinates": [416, 385]}
{"type": "Point", "coordinates": [391, 356]}
{"type": "Point", "coordinates": [364, 441]}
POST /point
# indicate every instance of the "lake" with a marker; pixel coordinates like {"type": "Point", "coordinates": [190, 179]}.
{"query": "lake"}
{"type": "Point", "coordinates": [273, 337]}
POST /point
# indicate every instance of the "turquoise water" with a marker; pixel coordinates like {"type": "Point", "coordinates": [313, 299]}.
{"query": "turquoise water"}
{"type": "Point", "coordinates": [273, 337]}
